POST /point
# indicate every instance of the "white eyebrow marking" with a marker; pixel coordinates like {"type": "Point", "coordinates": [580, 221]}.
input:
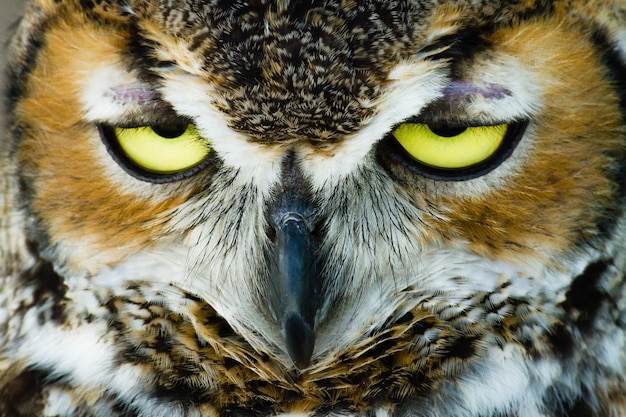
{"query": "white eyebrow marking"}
{"type": "Point", "coordinates": [109, 92]}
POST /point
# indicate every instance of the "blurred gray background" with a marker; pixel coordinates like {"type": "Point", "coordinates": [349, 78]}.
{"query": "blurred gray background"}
{"type": "Point", "coordinates": [9, 13]}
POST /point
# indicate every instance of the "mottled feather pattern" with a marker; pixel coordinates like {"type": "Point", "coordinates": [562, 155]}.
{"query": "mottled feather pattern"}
{"type": "Point", "coordinates": [310, 264]}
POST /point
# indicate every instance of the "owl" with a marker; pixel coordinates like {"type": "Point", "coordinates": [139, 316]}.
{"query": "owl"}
{"type": "Point", "coordinates": [307, 208]}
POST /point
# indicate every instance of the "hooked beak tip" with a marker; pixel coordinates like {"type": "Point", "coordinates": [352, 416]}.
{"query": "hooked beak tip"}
{"type": "Point", "coordinates": [299, 338]}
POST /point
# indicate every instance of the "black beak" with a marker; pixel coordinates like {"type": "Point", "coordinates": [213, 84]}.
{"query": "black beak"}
{"type": "Point", "coordinates": [296, 285]}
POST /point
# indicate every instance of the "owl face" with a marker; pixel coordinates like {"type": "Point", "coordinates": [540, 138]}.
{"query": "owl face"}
{"type": "Point", "coordinates": [316, 208]}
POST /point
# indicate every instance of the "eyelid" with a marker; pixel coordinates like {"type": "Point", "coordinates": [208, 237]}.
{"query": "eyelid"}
{"type": "Point", "coordinates": [136, 123]}
{"type": "Point", "coordinates": [451, 109]}
{"type": "Point", "coordinates": [149, 114]}
{"type": "Point", "coordinates": [133, 95]}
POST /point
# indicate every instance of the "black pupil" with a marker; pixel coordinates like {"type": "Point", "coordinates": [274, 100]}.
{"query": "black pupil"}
{"type": "Point", "coordinates": [447, 131]}
{"type": "Point", "coordinates": [170, 130]}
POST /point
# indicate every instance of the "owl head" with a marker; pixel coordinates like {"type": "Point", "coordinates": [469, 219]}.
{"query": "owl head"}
{"type": "Point", "coordinates": [323, 207]}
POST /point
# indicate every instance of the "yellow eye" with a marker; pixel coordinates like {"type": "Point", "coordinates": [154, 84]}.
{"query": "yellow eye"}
{"type": "Point", "coordinates": [450, 148]}
{"type": "Point", "coordinates": [163, 149]}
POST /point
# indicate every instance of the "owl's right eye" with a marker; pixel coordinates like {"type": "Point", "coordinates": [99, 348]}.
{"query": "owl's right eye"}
{"type": "Point", "coordinates": [158, 153]}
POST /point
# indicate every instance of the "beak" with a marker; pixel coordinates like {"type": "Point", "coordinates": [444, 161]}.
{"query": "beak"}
{"type": "Point", "coordinates": [296, 282]}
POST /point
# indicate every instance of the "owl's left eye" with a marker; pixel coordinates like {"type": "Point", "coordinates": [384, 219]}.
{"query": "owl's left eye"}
{"type": "Point", "coordinates": [449, 148]}
{"type": "Point", "coordinates": [160, 151]}
{"type": "Point", "coordinates": [453, 152]}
